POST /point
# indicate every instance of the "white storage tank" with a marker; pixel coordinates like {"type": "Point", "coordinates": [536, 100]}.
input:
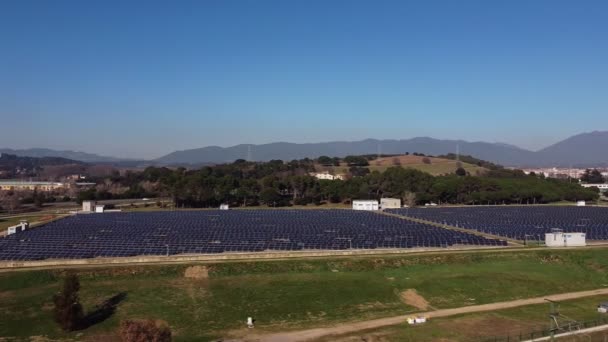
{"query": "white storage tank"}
{"type": "Point", "coordinates": [365, 205]}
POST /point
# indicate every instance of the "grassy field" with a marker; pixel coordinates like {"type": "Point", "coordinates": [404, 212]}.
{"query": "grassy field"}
{"type": "Point", "coordinates": [437, 166]}
{"type": "Point", "coordinates": [527, 322]}
{"type": "Point", "coordinates": [294, 294]}
{"type": "Point", "coordinates": [14, 220]}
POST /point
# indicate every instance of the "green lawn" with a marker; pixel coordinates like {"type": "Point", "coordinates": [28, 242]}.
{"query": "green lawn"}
{"type": "Point", "coordinates": [297, 293]}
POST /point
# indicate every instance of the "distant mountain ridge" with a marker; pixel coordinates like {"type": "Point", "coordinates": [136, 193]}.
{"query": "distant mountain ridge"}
{"type": "Point", "coordinates": [582, 150]}
{"type": "Point", "coordinates": [289, 151]}
{"type": "Point", "coordinates": [74, 155]}
{"type": "Point", "coordinates": [587, 149]}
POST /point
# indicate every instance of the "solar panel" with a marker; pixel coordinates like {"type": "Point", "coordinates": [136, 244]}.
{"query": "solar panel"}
{"type": "Point", "coordinates": [221, 231]}
{"type": "Point", "coordinates": [518, 222]}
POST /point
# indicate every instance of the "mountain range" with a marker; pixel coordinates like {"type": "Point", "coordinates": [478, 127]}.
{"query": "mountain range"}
{"type": "Point", "coordinates": [45, 152]}
{"type": "Point", "coordinates": [582, 150]}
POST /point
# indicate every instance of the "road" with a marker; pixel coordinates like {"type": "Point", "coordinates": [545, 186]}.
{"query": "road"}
{"type": "Point", "coordinates": [348, 328]}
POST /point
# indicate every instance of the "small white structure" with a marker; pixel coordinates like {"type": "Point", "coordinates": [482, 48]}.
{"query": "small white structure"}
{"type": "Point", "coordinates": [416, 320]}
{"type": "Point", "coordinates": [327, 176]}
{"type": "Point", "coordinates": [99, 208]}
{"type": "Point", "coordinates": [88, 206]}
{"type": "Point", "coordinates": [390, 203]}
{"type": "Point", "coordinates": [557, 238]}
{"type": "Point", "coordinates": [249, 322]}
{"type": "Point", "coordinates": [603, 307]}
{"type": "Point", "coordinates": [224, 207]}
{"type": "Point", "coordinates": [365, 205]}
{"type": "Point", "coordinates": [14, 229]}
{"type": "Point", "coordinates": [23, 225]}
{"type": "Point", "coordinates": [432, 204]}
{"type": "Point", "coordinates": [581, 203]}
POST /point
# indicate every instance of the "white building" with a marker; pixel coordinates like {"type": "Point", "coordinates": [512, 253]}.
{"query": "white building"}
{"type": "Point", "coordinates": [365, 205]}
{"type": "Point", "coordinates": [224, 207]}
{"type": "Point", "coordinates": [99, 208]}
{"type": "Point", "coordinates": [558, 238]}
{"type": "Point", "coordinates": [602, 187]}
{"type": "Point", "coordinates": [88, 206]}
{"type": "Point", "coordinates": [327, 176]}
{"type": "Point", "coordinates": [390, 203]}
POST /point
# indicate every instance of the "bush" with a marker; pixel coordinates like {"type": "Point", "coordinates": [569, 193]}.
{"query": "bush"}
{"type": "Point", "coordinates": [426, 160]}
{"type": "Point", "coordinates": [145, 331]}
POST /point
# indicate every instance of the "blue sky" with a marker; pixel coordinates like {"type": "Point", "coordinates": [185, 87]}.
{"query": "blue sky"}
{"type": "Point", "coordinates": [143, 78]}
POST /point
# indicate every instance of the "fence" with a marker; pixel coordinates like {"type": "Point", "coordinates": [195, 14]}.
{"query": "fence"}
{"type": "Point", "coordinates": [531, 335]}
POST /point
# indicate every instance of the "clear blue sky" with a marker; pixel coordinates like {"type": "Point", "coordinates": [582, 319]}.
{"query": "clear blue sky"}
{"type": "Point", "coordinates": [144, 78]}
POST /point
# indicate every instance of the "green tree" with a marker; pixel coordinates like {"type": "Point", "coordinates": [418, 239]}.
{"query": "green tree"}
{"type": "Point", "coordinates": [461, 171]}
{"type": "Point", "coordinates": [592, 177]}
{"type": "Point", "coordinates": [356, 161]}
{"type": "Point", "coordinates": [325, 160]}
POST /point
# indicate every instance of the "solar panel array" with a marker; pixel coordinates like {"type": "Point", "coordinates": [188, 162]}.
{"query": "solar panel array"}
{"type": "Point", "coordinates": [518, 221]}
{"type": "Point", "coordinates": [217, 231]}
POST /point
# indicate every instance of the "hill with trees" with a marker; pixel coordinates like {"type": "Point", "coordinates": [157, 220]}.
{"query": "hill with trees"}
{"type": "Point", "coordinates": [277, 183]}
{"type": "Point", "coordinates": [12, 166]}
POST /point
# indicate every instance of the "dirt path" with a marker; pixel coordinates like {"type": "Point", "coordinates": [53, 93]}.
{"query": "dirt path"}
{"type": "Point", "coordinates": [312, 334]}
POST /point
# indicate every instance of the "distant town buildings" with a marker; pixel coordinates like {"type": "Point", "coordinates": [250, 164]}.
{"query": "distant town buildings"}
{"type": "Point", "coordinates": [39, 186]}
{"type": "Point", "coordinates": [603, 187]}
{"type": "Point", "coordinates": [561, 173]}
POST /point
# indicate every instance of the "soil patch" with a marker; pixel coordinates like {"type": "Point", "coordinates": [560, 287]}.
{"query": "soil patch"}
{"type": "Point", "coordinates": [197, 272]}
{"type": "Point", "coordinates": [412, 298]}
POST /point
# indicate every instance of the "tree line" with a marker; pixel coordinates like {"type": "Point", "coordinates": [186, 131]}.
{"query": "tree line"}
{"type": "Point", "coordinates": [277, 183]}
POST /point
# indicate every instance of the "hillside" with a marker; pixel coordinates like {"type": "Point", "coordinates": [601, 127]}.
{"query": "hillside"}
{"type": "Point", "coordinates": [15, 166]}
{"type": "Point", "coordinates": [568, 152]}
{"type": "Point", "coordinates": [433, 165]}
{"type": "Point", "coordinates": [73, 155]}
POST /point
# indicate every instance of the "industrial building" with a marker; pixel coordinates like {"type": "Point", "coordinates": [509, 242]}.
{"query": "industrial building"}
{"type": "Point", "coordinates": [557, 238]}
{"type": "Point", "coordinates": [390, 203]}
{"type": "Point", "coordinates": [365, 205]}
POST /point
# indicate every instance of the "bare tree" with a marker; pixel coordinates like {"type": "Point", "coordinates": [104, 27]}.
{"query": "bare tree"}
{"type": "Point", "coordinates": [409, 198]}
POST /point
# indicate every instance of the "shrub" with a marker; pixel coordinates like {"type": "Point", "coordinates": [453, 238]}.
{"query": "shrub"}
{"type": "Point", "coordinates": [148, 330]}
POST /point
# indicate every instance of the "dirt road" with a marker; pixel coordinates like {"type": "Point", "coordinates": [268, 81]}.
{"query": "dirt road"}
{"type": "Point", "coordinates": [312, 334]}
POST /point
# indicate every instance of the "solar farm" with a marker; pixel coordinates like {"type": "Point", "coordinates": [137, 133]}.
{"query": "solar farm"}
{"type": "Point", "coordinates": [518, 222]}
{"type": "Point", "coordinates": [219, 231]}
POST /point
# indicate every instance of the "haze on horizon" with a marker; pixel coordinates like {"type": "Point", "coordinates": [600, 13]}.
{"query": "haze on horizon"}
{"type": "Point", "coordinates": [142, 79]}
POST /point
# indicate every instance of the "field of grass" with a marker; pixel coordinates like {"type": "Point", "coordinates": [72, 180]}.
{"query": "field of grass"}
{"type": "Point", "coordinates": [437, 166]}
{"type": "Point", "coordinates": [295, 294]}
{"type": "Point", "coordinates": [14, 220]}
{"type": "Point", "coordinates": [525, 322]}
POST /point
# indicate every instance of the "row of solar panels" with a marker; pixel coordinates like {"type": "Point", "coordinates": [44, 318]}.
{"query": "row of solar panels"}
{"type": "Point", "coordinates": [518, 222]}
{"type": "Point", "coordinates": [161, 233]}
